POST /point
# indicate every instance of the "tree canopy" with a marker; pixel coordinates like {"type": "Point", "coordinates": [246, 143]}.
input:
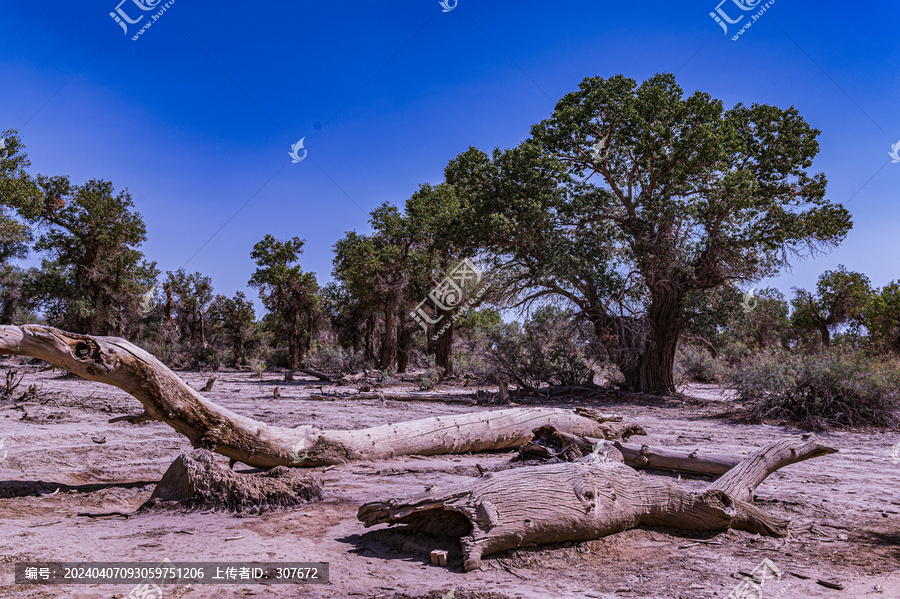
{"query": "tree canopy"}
{"type": "Point", "coordinates": [630, 197]}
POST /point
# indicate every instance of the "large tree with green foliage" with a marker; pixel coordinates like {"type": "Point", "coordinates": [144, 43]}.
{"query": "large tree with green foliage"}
{"type": "Point", "coordinates": [238, 323]}
{"type": "Point", "coordinates": [437, 248]}
{"type": "Point", "coordinates": [191, 295]}
{"type": "Point", "coordinates": [16, 190]}
{"type": "Point", "coordinates": [630, 197]}
{"type": "Point", "coordinates": [93, 276]}
{"type": "Point", "coordinates": [290, 295]}
{"type": "Point", "coordinates": [375, 269]}
{"type": "Point", "coordinates": [882, 318]}
{"type": "Point", "coordinates": [351, 320]}
{"type": "Point", "coordinates": [841, 299]}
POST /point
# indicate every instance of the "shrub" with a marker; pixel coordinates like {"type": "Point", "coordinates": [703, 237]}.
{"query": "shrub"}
{"type": "Point", "coordinates": [550, 348]}
{"type": "Point", "coordinates": [836, 387]}
{"type": "Point", "coordinates": [430, 375]}
{"type": "Point", "coordinates": [335, 361]}
{"type": "Point", "coordinates": [276, 358]}
{"type": "Point", "coordinates": [696, 365]}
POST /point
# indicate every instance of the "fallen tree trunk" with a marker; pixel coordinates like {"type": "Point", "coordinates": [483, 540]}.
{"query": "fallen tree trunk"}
{"type": "Point", "coordinates": [551, 443]}
{"type": "Point", "coordinates": [675, 460]}
{"type": "Point", "coordinates": [412, 396]}
{"type": "Point", "coordinates": [289, 375]}
{"type": "Point", "coordinates": [583, 501]}
{"type": "Point", "coordinates": [166, 398]}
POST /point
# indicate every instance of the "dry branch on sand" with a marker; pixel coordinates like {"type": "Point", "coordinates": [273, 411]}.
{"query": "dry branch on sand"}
{"type": "Point", "coordinates": [168, 399]}
{"type": "Point", "coordinates": [587, 500]}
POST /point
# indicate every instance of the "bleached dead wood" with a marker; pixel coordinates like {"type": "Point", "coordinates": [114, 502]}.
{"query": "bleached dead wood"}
{"type": "Point", "coordinates": [583, 501]}
{"type": "Point", "coordinates": [166, 398]}
{"type": "Point", "coordinates": [549, 443]}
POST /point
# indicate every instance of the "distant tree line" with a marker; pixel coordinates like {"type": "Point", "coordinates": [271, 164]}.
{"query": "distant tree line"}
{"type": "Point", "coordinates": [623, 227]}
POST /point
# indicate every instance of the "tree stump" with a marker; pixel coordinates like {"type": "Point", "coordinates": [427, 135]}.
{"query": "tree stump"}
{"type": "Point", "coordinates": [197, 481]}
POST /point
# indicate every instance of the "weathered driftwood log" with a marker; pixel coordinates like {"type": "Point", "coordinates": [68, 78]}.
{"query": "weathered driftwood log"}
{"type": "Point", "coordinates": [167, 398]}
{"type": "Point", "coordinates": [289, 375]}
{"type": "Point", "coordinates": [583, 501]}
{"type": "Point", "coordinates": [551, 443]}
{"type": "Point", "coordinates": [675, 460]}
{"type": "Point", "coordinates": [411, 396]}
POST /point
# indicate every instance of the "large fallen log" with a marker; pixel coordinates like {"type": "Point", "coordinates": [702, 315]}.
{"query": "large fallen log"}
{"type": "Point", "coordinates": [583, 501]}
{"type": "Point", "coordinates": [168, 399]}
{"type": "Point", "coordinates": [551, 443]}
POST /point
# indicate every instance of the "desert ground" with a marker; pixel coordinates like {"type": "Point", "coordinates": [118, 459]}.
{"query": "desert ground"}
{"type": "Point", "coordinates": [61, 457]}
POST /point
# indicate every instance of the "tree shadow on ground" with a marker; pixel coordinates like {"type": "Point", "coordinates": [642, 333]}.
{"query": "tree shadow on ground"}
{"type": "Point", "coordinates": [24, 488]}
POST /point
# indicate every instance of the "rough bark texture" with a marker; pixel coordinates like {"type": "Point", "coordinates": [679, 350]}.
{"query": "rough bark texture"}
{"type": "Point", "coordinates": [443, 345]}
{"type": "Point", "coordinates": [404, 347]}
{"type": "Point", "coordinates": [167, 398]}
{"type": "Point", "coordinates": [389, 339]}
{"type": "Point", "coordinates": [583, 501]}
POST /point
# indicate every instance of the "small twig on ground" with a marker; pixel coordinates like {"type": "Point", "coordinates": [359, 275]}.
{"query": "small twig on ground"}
{"type": "Point", "coordinates": [45, 524]}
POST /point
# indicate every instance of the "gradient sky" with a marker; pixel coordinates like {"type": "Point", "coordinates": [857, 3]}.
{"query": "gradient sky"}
{"type": "Point", "coordinates": [196, 117]}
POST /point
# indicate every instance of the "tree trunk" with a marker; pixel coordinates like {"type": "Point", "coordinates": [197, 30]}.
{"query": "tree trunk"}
{"type": "Point", "coordinates": [584, 501]}
{"type": "Point", "coordinates": [237, 346]}
{"type": "Point", "coordinates": [202, 327]}
{"type": "Point", "coordinates": [443, 346]}
{"type": "Point", "coordinates": [644, 348]}
{"type": "Point", "coordinates": [389, 340]}
{"type": "Point", "coordinates": [826, 335]}
{"type": "Point", "coordinates": [370, 341]}
{"type": "Point", "coordinates": [169, 302]}
{"type": "Point", "coordinates": [309, 331]}
{"type": "Point", "coordinates": [167, 398]}
{"type": "Point", "coordinates": [404, 347]}
{"type": "Point", "coordinates": [551, 443]}
{"type": "Point", "coordinates": [657, 363]}
{"type": "Point", "coordinates": [293, 352]}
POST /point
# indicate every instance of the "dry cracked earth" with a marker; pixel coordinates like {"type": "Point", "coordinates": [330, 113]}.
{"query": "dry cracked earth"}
{"type": "Point", "coordinates": [61, 458]}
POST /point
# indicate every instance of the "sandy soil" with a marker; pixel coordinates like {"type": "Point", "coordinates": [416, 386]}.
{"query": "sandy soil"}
{"type": "Point", "coordinates": [845, 508]}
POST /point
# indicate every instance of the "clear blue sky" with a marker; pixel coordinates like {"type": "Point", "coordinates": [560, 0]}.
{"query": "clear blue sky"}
{"type": "Point", "coordinates": [198, 115]}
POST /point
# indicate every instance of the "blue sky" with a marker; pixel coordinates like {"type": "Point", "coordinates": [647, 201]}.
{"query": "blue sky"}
{"type": "Point", "coordinates": [196, 117]}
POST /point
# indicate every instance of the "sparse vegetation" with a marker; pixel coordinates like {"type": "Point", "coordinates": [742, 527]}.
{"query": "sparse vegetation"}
{"type": "Point", "coordinates": [835, 387]}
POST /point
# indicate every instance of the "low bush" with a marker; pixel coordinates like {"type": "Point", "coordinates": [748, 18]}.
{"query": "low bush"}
{"type": "Point", "coordinates": [549, 348]}
{"type": "Point", "coordinates": [835, 387]}
{"type": "Point", "coordinates": [696, 365]}
{"type": "Point", "coordinates": [335, 361]}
